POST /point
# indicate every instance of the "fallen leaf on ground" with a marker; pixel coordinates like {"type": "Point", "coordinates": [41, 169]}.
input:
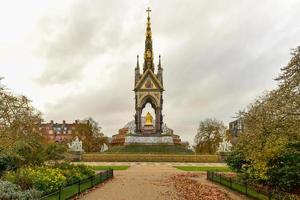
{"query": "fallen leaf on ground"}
{"type": "Point", "coordinates": [190, 189]}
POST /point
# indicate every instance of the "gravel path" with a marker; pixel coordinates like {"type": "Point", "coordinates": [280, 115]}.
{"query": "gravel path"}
{"type": "Point", "coordinates": [145, 182]}
{"type": "Point", "coordinates": [139, 182]}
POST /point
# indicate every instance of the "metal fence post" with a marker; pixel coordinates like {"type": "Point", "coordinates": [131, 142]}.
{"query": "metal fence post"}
{"type": "Point", "coordinates": [78, 187]}
{"type": "Point", "coordinates": [207, 175]}
{"type": "Point", "coordinates": [207, 172]}
{"type": "Point", "coordinates": [59, 193]}
{"type": "Point", "coordinates": [230, 181]}
{"type": "Point", "coordinates": [212, 173]}
{"type": "Point", "coordinates": [220, 178]}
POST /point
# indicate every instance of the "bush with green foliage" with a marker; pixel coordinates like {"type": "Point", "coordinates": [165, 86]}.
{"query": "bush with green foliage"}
{"type": "Point", "coordinates": [87, 171]}
{"type": "Point", "coordinates": [74, 173]}
{"type": "Point", "coordinates": [21, 177]}
{"type": "Point", "coordinates": [48, 179]}
{"type": "Point", "coordinates": [40, 178]}
{"type": "Point", "coordinates": [236, 161]}
{"type": "Point", "coordinates": [32, 153]}
{"type": "Point", "coordinates": [10, 191]}
{"type": "Point", "coordinates": [55, 152]}
{"type": "Point", "coordinates": [9, 161]}
{"type": "Point", "coordinates": [284, 170]}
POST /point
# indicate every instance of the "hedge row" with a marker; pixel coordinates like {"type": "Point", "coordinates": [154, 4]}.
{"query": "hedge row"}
{"type": "Point", "coordinates": [153, 149]}
{"type": "Point", "coordinates": [90, 157]}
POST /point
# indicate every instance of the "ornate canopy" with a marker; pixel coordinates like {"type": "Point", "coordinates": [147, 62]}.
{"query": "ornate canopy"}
{"type": "Point", "coordinates": [148, 86]}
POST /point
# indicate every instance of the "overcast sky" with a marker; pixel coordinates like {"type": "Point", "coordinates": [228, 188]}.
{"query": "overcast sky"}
{"type": "Point", "coordinates": [76, 59]}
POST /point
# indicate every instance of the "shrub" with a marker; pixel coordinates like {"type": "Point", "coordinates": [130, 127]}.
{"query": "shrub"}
{"type": "Point", "coordinates": [20, 177]}
{"type": "Point", "coordinates": [85, 170]}
{"type": "Point", "coordinates": [40, 178]}
{"type": "Point", "coordinates": [284, 170]}
{"type": "Point", "coordinates": [284, 196]}
{"type": "Point", "coordinates": [8, 161]}
{"type": "Point", "coordinates": [281, 172]}
{"type": "Point", "coordinates": [149, 158]}
{"type": "Point", "coordinates": [9, 191]}
{"type": "Point", "coordinates": [46, 179]}
{"type": "Point", "coordinates": [70, 172]}
{"type": "Point", "coordinates": [237, 161]}
{"type": "Point", "coordinates": [30, 151]}
{"type": "Point", "coordinates": [74, 173]}
{"type": "Point", "coordinates": [164, 149]}
{"type": "Point", "coordinates": [55, 152]}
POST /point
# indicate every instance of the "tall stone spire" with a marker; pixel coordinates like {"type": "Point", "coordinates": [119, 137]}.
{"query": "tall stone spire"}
{"type": "Point", "coordinates": [137, 70]}
{"type": "Point", "coordinates": [148, 55]}
{"type": "Point", "coordinates": [159, 62]}
{"type": "Point", "coordinates": [137, 62]}
{"type": "Point", "coordinates": [160, 71]}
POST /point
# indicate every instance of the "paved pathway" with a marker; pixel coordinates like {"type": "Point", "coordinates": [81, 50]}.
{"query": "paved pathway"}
{"type": "Point", "coordinates": [144, 181]}
{"type": "Point", "coordinates": [139, 182]}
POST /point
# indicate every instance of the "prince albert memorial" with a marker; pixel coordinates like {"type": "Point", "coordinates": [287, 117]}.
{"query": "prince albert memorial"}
{"type": "Point", "coordinates": [148, 88]}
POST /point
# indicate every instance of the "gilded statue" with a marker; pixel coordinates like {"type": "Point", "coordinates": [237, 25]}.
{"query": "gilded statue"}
{"type": "Point", "coordinates": [149, 119]}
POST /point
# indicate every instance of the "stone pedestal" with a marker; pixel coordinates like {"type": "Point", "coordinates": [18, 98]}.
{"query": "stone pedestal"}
{"type": "Point", "coordinates": [148, 130]}
{"type": "Point", "coordinates": [141, 140]}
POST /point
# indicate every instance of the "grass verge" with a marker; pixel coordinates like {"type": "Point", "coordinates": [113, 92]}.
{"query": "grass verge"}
{"type": "Point", "coordinates": [203, 168]}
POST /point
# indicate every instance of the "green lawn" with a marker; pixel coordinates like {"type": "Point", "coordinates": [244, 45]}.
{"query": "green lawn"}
{"type": "Point", "coordinates": [110, 167]}
{"type": "Point", "coordinates": [203, 168]}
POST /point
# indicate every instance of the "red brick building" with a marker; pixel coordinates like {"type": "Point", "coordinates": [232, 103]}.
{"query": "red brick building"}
{"type": "Point", "coordinates": [59, 132]}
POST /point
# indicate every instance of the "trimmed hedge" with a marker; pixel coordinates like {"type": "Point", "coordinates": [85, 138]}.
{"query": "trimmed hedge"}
{"type": "Point", "coordinates": [94, 157]}
{"type": "Point", "coordinates": [153, 149]}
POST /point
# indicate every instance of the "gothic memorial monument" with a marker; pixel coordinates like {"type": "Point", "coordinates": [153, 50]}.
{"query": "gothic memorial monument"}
{"type": "Point", "coordinates": [148, 88]}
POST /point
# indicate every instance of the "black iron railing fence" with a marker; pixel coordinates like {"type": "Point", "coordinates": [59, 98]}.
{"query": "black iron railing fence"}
{"type": "Point", "coordinates": [75, 189]}
{"type": "Point", "coordinates": [248, 189]}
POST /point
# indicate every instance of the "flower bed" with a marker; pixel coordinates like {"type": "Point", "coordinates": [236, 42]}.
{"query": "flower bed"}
{"type": "Point", "coordinates": [47, 179]}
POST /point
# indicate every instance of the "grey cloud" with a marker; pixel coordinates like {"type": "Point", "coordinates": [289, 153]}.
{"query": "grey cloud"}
{"type": "Point", "coordinates": [69, 43]}
{"type": "Point", "coordinates": [218, 56]}
{"type": "Point", "coordinates": [111, 106]}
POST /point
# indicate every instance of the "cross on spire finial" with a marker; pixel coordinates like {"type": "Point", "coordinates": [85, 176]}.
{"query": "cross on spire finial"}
{"type": "Point", "coordinates": [148, 11]}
